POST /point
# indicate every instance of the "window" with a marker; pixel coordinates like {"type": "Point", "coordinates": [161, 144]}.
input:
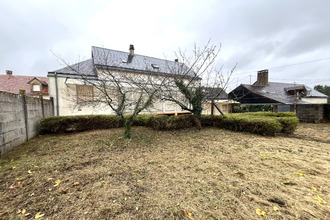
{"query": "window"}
{"type": "Point", "coordinates": [36, 88]}
{"type": "Point", "coordinates": [84, 93]}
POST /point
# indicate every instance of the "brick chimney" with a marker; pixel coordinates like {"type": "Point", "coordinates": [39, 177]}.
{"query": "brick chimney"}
{"type": "Point", "coordinates": [262, 78]}
{"type": "Point", "coordinates": [131, 50]}
{"type": "Point", "coordinates": [9, 72]}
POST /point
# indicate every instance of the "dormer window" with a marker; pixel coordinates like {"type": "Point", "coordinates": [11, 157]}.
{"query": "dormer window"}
{"type": "Point", "coordinates": [155, 66]}
{"type": "Point", "coordinates": [36, 88]}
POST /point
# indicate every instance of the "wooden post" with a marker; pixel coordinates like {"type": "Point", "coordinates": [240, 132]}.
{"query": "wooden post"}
{"type": "Point", "coordinates": [219, 110]}
{"type": "Point", "coordinates": [22, 93]}
{"type": "Point", "coordinates": [212, 107]}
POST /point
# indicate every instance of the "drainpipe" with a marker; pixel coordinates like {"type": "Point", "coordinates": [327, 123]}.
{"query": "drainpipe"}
{"type": "Point", "coordinates": [56, 90]}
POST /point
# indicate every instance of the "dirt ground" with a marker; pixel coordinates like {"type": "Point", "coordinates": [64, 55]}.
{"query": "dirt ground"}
{"type": "Point", "coordinates": [187, 174]}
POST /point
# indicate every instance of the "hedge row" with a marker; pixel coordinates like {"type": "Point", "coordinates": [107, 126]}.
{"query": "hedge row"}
{"type": "Point", "coordinates": [258, 123]}
{"type": "Point", "coordinates": [164, 122]}
{"type": "Point", "coordinates": [268, 114]}
{"type": "Point", "coordinates": [64, 124]}
{"type": "Point", "coordinates": [264, 123]}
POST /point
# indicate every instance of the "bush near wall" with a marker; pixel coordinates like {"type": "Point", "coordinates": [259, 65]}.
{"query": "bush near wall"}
{"type": "Point", "coordinates": [64, 124]}
{"type": "Point", "coordinates": [264, 123]}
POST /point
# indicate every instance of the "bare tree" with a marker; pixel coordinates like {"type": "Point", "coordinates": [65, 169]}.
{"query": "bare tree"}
{"type": "Point", "coordinates": [196, 78]}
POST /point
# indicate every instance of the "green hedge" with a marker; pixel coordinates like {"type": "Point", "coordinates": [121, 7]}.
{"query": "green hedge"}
{"type": "Point", "coordinates": [264, 123]}
{"type": "Point", "coordinates": [64, 124]}
{"type": "Point", "coordinates": [289, 124]}
{"type": "Point", "coordinates": [288, 120]}
{"type": "Point", "coordinates": [267, 114]}
{"type": "Point", "coordinates": [212, 121]}
{"type": "Point", "coordinates": [258, 125]}
{"type": "Point", "coordinates": [163, 122]}
{"type": "Point", "coordinates": [141, 120]}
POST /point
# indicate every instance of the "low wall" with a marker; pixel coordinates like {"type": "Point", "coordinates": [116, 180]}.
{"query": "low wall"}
{"type": "Point", "coordinates": [313, 112]}
{"type": "Point", "coordinates": [19, 117]}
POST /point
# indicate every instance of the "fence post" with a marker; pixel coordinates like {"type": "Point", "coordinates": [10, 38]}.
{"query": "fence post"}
{"type": "Point", "coordinates": [42, 105]}
{"type": "Point", "coordinates": [22, 93]}
{"type": "Point", "coordinates": [52, 104]}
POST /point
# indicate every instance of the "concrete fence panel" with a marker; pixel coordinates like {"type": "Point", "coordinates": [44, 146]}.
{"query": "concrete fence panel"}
{"type": "Point", "coordinates": [19, 117]}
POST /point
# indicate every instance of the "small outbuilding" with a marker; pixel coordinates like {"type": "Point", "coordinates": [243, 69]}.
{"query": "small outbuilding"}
{"type": "Point", "coordinates": [282, 96]}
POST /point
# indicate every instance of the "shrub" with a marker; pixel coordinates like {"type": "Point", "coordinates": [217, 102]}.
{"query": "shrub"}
{"type": "Point", "coordinates": [268, 114]}
{"type": "Point", "coordinates": [141, 120]}
{"type": "Point", "coordinates": [157, 122]}
{"type": "Point", "coordinates": [265, 123]}
{"type": "Point", "coordinates": [180, 122]}
{"type": "Point", "coordinates": [64, 124]}
{"type": "Point", "coordinates": [288, 124]}
{"type": "Point", "coordinates": [213, 121]}
{"type": "Point", "coordinates": [257, 125]}
{"type": "Point", "coordinates": [288, 120]}
{"type": "Point", "coordinates": [163, 122]}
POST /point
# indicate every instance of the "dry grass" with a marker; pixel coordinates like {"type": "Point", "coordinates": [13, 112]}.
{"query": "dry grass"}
{"type": "Point", "coordinates": [188, 174]}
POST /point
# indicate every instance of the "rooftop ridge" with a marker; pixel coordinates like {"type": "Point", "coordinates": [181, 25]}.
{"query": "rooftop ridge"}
{"type": "Point", "coordinates": [136, 54]}
{"type": "Point", "coordinates": [13, 76]}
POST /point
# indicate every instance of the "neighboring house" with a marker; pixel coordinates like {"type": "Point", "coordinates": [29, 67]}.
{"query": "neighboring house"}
{"type": "Point", "coordinates": [218, 97]}
{"type": "Point", "coordinates": [283, 96]}
{"type": "Point", "coordinates": [67, 88]}
{"type": "Point", "coordinates": [33, 85]}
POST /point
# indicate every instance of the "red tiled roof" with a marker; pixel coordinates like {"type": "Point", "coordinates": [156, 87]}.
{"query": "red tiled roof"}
{"type": "Point", "coordinates": [13, 83]}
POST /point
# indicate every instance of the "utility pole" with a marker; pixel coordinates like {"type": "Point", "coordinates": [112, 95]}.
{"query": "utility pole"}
{"type": "Point", "coordinates": [294, 98]}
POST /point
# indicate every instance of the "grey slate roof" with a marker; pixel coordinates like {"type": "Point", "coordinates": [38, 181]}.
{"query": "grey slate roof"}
{"type": "Point", "coordinates": [215, 93]}
{"type": "Point", "coordinates": [119, 60]}
{"type": "Point", "coordinates": [123, 61]}
{"type": "Point", "coordinates": [277, 92]}
{"type": "Point", "coordinates": [85, 67]}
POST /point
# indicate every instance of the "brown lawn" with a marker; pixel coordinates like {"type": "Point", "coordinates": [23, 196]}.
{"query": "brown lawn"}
{"type": "Point", "coordinates": [187, 174]}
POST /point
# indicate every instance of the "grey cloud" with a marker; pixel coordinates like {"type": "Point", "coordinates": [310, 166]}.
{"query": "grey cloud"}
{"type": "Point", "coordinates": [309, 40]}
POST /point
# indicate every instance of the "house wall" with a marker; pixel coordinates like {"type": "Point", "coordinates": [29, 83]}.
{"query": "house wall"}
{"type": "Point", "coordinates": [224, 107]}
{"type": "Point", "coordinates": [67, 100]}
{"type": "Point", "coordinates": [313, 112]}
{"type": "Point", "coordinates": [19, 123]}
{"type": "Point", "coordinates": [316, 100]}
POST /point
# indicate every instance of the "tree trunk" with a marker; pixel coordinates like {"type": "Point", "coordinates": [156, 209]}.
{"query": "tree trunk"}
{"type": "Point", "coordinates": [128, 128]}
{"type": "Point", "coordinates": [198, 122]}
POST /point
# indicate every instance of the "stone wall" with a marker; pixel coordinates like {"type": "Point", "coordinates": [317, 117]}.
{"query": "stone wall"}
{"type": "Point", "coordinates": [313, 112]}
{"type": "Point", "coordinates": [19, 117]}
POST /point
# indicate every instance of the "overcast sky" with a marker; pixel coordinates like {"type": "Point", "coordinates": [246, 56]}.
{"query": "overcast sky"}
{"type": "Point", "coordinates": [255, 34]}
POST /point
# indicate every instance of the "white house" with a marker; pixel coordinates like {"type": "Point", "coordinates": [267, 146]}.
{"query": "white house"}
{"type": "Point", "coordinates": [68, 89]}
